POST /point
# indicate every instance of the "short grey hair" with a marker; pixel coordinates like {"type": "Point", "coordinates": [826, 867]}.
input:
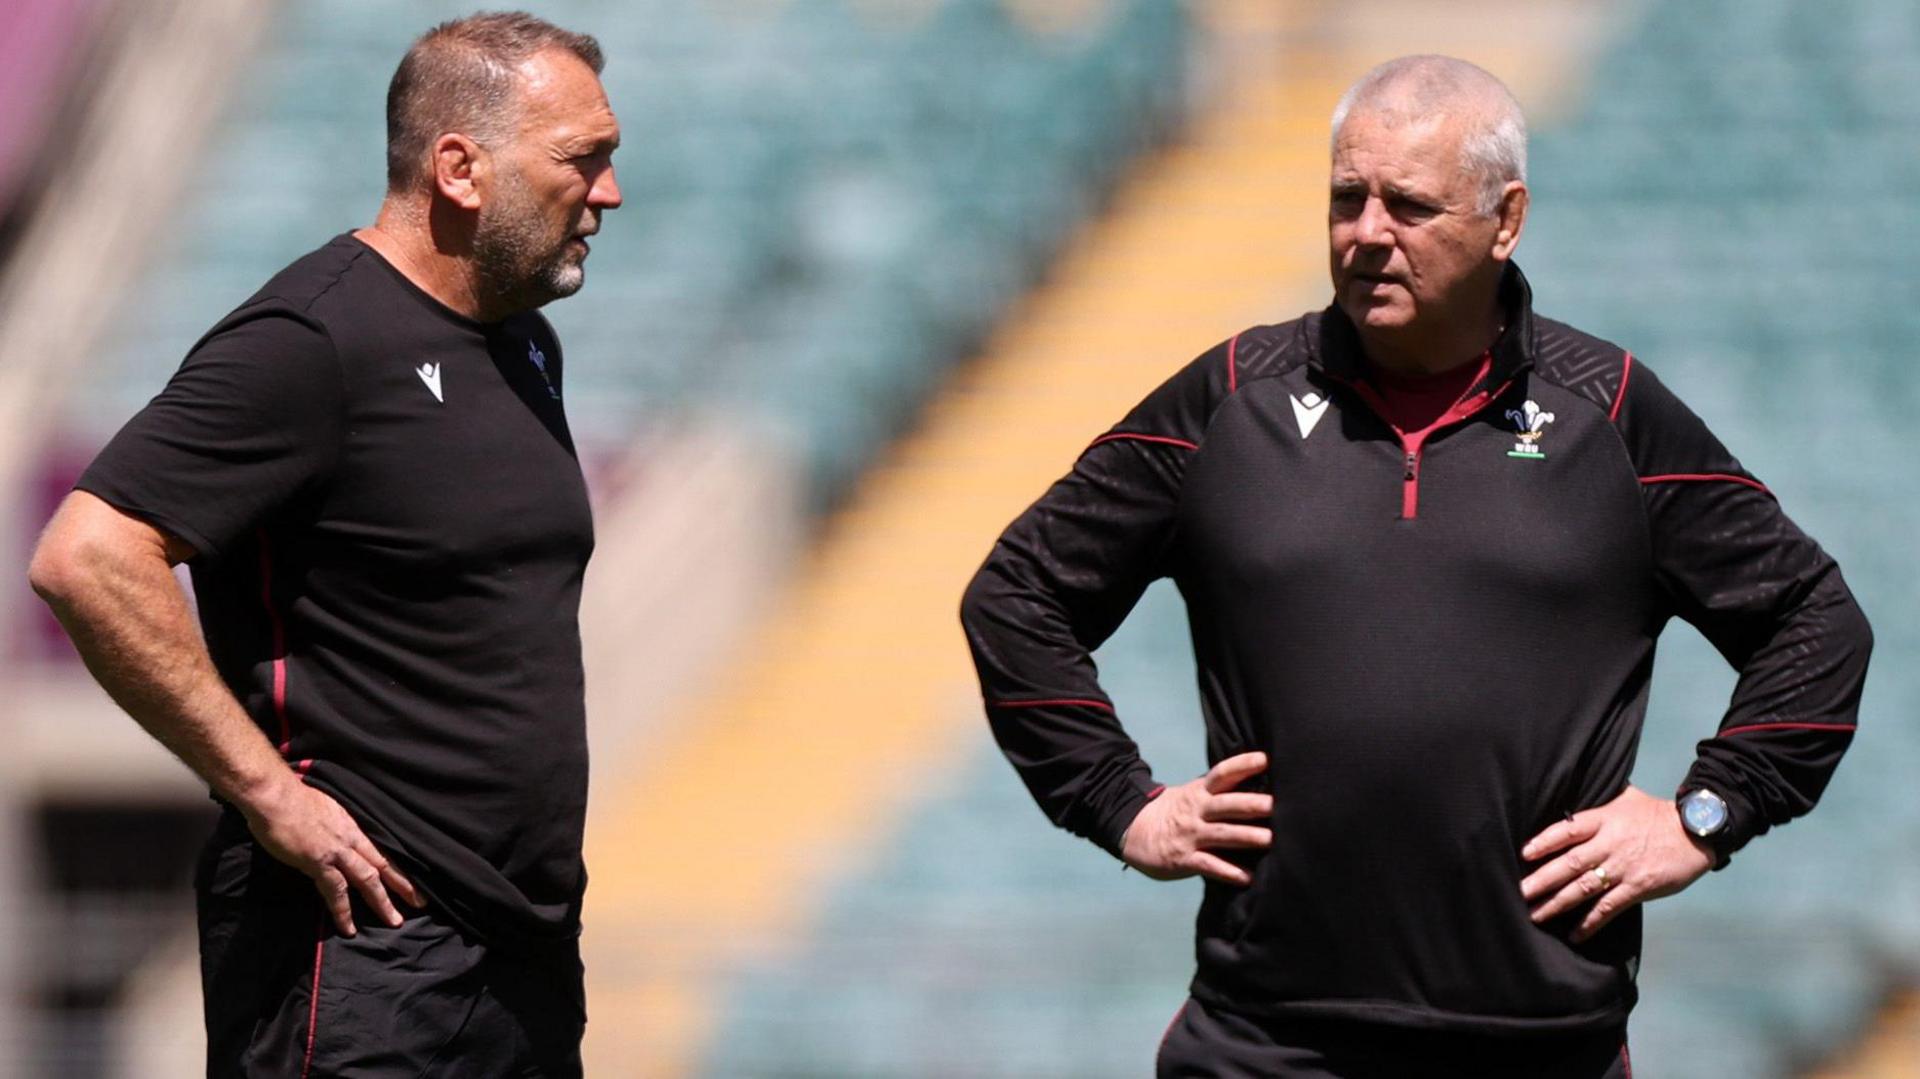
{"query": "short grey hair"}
{"type": "Point", "coordinates": [460, 76]}
{"type": "Point", "coordinates": [1417, 87]}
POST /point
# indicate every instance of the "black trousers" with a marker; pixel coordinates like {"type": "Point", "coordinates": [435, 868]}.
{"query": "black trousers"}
{"type": "Point", "coordinates": [287, 996]}
{"type": "Point", "coordinates": [1206, 1042]}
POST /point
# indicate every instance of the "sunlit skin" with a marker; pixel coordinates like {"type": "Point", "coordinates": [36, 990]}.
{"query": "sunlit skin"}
{"type": "Point", "coordinates": [552, 182]}
{"type": "Point", "coordinates": [502, 228]}
{"type": "Point", "coordinates": [1415, 263]}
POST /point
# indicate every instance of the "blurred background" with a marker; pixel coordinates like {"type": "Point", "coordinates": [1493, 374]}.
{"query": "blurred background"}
{"type": "Point", "coordinates": [885, 266]}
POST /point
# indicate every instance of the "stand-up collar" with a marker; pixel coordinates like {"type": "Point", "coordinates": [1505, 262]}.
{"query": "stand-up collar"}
{"type": "Point", "coordinates": [1336, 347]}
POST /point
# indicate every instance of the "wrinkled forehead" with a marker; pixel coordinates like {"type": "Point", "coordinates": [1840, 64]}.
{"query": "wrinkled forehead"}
{"type": "Point", "coordinates": [1372, 139]}
{"type": "Point", "coordinates": [558, 91]}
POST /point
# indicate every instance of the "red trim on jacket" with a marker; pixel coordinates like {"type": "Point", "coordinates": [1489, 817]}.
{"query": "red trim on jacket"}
{"type": "Point", "coordinates": [1089, 702]}
{"type": "Point", "coordinates": [1704, 477]}
{"type": "Point", "coordinates": [1849, 727]}
{"type": "Point", "coordinates": [1620, 396]}
{"type": "Point", "coordinates": [1130, 436]}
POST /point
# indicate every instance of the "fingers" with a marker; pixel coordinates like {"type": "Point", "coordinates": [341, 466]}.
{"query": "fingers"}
{"type": "Point", "coordinates": [400, 885]}
{"type": "Point", "coordinates": [1233, 771]}
{"type": "Point", "coordinates": [1244, 836]}
{"type": "Point", "coordinates": [1237, 805]}
{"type": "Point", "coordinates": [334, 892]}
{"type": "Point", "coordinates": [1577, 828]}
{"type": "Point", "coordinates": [1560, 872]}
{"type": "Point", "coordinates": [1214, 867]}
{"type": "Point", "coordinates": [366, 880]}
{"type": "Point", "coordinates": [1583, 887]}
{"type": "Point", "coordinates": [1606, 909]}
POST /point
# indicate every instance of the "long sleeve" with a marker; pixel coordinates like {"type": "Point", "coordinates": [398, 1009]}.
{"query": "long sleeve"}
{"type": "Point", "coordinates": [1059, 581]}
{"type": "Point", "coordinates": [1767, 597]}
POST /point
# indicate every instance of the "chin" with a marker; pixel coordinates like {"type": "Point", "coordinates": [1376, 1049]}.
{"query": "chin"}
{"type": "Point", "coordinates": [564, 280]}
{"type": "Point", "coordinates": [1385, 317]}
{"type": "Point", "coordinates": [1388, 314]}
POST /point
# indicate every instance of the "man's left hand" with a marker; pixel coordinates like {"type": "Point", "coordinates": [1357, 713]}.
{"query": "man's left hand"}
{"type": "Point", "coordinates": [1613, 856]}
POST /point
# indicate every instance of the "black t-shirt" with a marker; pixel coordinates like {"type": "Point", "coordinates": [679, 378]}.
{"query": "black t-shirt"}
{"type": "Point", "coordinates": [391, 529]}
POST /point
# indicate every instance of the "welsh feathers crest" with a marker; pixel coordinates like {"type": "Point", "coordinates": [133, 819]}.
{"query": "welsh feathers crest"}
{"type": "Point", "coordinates": [1529, 422]}
{"type": "Point", "coordinates": [539, 361]}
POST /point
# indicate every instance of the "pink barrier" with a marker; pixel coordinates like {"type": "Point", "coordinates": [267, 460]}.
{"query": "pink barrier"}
{"type": "Point", "coordinates": [40, 41]}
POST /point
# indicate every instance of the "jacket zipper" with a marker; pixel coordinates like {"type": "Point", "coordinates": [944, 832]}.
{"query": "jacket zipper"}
{"type": "Point", "coordinates": [1411, 447]}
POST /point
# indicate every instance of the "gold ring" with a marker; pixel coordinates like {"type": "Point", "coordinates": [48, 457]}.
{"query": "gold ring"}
{"type": "Point", "coordinates": [1600, 874]}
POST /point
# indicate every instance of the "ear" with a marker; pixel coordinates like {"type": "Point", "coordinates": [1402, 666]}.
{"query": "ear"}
{"type": "Point", "coordinates": [459, 167]}
{"type": "Point", "coordinates": [1512, 216]}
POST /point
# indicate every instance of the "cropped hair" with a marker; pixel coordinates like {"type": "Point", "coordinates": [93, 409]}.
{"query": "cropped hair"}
{"type": "Point", "coordinates": [1494, 148]}
{"type": "Point", "coordinates": [460, 76]}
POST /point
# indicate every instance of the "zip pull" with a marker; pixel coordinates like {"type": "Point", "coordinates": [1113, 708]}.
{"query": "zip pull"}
{"type": "Point", "coordinates": [1410, 487]}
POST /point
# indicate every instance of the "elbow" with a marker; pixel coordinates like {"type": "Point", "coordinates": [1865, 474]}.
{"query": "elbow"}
{"type": "Point", "coordinates": [973, 601]}
{"type": "Point", "coordinates": [984, 595]}
{"type": "Point", "coordinates": [1846, 620]}
{"type": "Point", "coordinates": [1862, 635]}
{"type": "Point", "coordinates": [57, 568]}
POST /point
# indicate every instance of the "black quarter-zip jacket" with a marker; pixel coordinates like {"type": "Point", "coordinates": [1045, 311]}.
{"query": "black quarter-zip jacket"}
{"type": "Point", "coordinates": [1443, 648]}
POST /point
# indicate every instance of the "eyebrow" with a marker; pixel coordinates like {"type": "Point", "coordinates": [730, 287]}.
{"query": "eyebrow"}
{"type": "Point", "coordinates": [585, 143]}
{"type": "Point", "coordinates": [1391, 191]}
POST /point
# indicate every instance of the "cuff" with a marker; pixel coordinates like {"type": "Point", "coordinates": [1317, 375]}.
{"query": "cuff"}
{"type": "Point", "coordinates": [1130, 795]}
{"type": "Point", "coordinates": [1743, 820]}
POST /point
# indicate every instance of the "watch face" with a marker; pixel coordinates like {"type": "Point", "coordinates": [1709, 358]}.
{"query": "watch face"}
{"type": "Point", "coordinates": [1703, 812]}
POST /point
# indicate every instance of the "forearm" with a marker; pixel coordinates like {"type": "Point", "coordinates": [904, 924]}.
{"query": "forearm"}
{"type": "Point", "coordinates": [132, 627]}
{"type": "Point", "coordinates": [1792, 715]}
{"type": "Point", "coordinates": [1045, 705]}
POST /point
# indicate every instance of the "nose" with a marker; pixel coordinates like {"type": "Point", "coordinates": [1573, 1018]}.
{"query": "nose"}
{"type": "Point", "coordinates": [1374, 227]}
{"type": "Point", "coordinates": [605, 192]}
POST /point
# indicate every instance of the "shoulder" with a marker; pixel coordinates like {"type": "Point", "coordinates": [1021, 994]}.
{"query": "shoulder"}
{"type": "Point", "coordinates": [1269, 351]}
{"type": "Point", "coordinates": [302, 288]}
{"type": "Point", "coordinates": [1583, 364]}
{"type": "Point", "coordinates": [1179, 412]}
{"type": "Point", "coordinates": [1185, 404]}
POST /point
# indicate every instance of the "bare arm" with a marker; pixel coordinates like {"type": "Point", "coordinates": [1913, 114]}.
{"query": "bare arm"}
{"type": "Point", "coordinates": [108, 577]}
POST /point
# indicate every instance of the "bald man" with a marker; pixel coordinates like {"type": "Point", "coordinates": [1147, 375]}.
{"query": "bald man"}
{"type": "Point", "coordinates": [1427, 540]}
{"type": "Point", "coordinates": [368, 469]}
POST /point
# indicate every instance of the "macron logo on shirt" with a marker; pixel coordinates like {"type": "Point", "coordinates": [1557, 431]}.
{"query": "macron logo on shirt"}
{"type": "Point", "coordinates": [1306, 412]}
{"type": "Point", "coordinates": [430, 374]}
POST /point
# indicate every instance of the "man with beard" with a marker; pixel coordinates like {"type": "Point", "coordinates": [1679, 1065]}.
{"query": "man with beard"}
{"type": "Point", "coordinates": [1427, 540]}
{"type": "Point", "coordinates": [369, 472]}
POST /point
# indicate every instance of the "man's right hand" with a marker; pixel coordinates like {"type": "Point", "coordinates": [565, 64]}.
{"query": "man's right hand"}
{"type": "Point", "coordinates": [309, 831]}
{"type": "Point", "coordinates": [1171, 836]}
{"type": "Point", "coordinates": [108, 576]}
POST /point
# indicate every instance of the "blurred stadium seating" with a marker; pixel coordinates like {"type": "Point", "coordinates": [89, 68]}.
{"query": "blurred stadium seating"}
{"type": "Point", "coordinates": [829, 203]}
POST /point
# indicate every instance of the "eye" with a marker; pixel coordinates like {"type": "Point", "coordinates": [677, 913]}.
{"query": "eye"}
{"type": "Point", "coordinates": [1409, 209]}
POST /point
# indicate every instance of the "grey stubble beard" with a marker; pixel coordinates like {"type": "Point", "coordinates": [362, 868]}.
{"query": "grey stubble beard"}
{"type": "Point", "coordinates": [511, 257]}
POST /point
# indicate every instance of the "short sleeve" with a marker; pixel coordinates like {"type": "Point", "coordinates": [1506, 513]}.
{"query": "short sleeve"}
{"type": "Point", "coordinates": [251, 419]}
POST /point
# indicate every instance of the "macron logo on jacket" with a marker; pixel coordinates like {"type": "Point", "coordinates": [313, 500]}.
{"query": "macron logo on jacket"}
{"type": "Point", "coordinates": [1307, 411]}
{"type": "Point", "coordinates": [430, 374]}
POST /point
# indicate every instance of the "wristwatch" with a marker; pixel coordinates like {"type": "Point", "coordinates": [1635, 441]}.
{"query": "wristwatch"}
{"type": "Point", "coordinates": [1705, 815]}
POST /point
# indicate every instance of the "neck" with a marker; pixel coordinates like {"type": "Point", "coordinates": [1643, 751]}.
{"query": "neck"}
{"type": "Point", "coordinates": [431, 250]}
